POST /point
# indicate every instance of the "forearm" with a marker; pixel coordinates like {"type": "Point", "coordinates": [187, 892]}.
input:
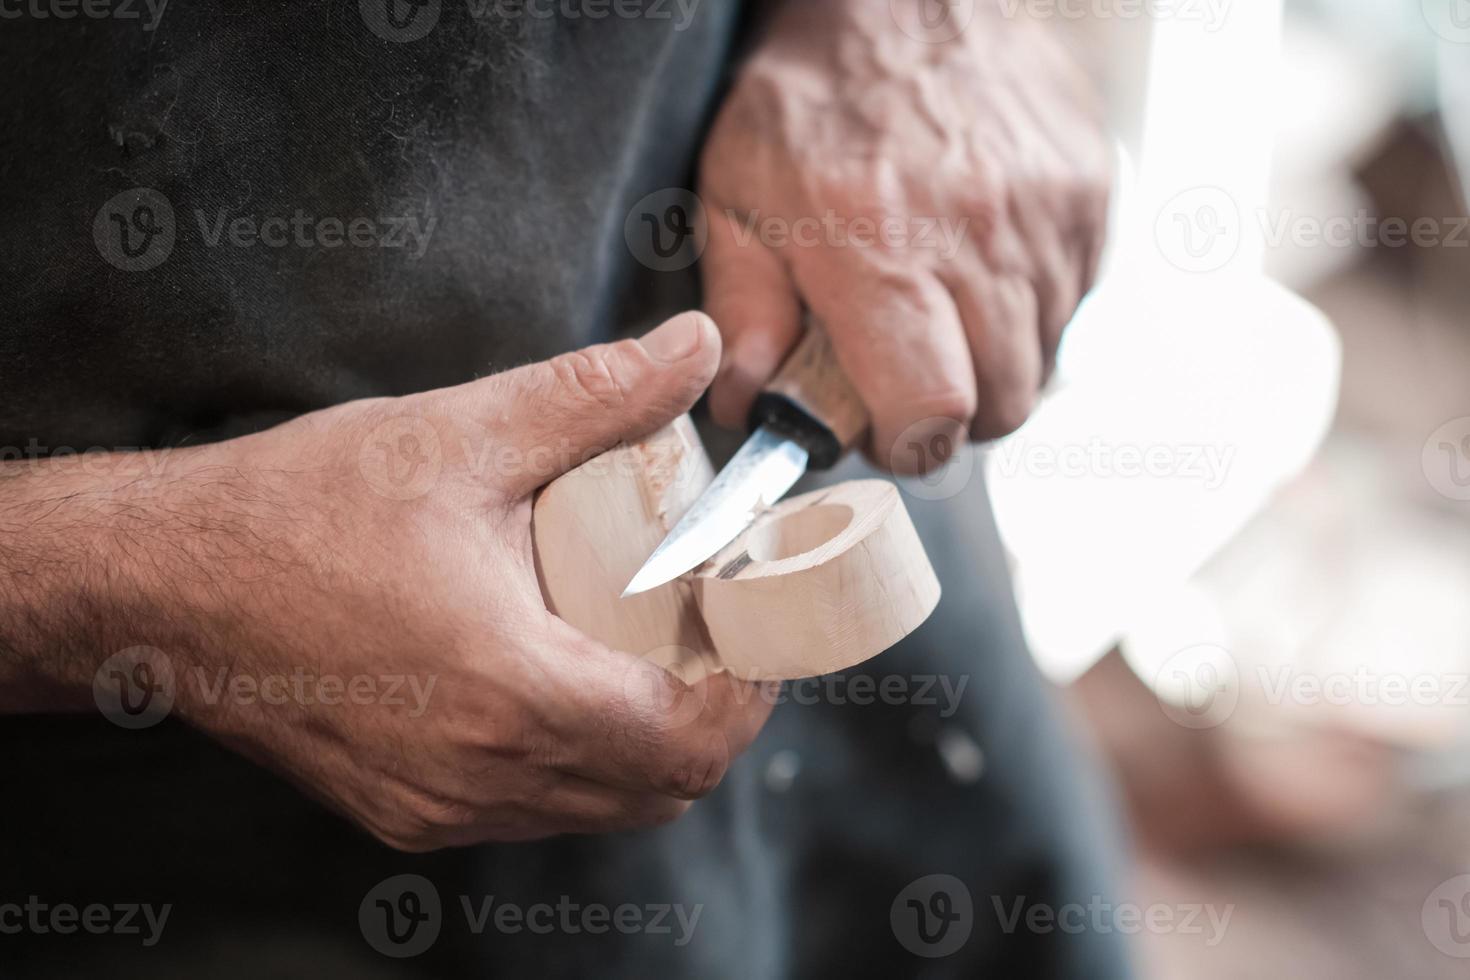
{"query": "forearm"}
{"type": "Point", "coordinates": [87, 544]}
{"type": "Point", "coordinates": [52, 576]}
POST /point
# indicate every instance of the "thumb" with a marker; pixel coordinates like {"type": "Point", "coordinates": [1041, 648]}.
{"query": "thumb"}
{"type": "Point", "coordinates": [556, 414]}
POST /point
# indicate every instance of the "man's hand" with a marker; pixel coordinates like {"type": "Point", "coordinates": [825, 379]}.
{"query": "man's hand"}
{"type": "Point", "coordinates": [940, 207]}
{"type": "Point", "coordinates": [377, 538]}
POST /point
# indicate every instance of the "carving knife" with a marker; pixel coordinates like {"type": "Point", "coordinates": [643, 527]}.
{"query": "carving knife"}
{"type": "Point", "coordinates": [804, 419]}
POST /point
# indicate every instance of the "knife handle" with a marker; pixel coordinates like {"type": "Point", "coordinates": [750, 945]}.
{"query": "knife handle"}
{"type": "Point", "coordinates": [811, 402]}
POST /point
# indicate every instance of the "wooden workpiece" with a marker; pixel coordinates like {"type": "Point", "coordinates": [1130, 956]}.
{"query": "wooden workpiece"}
{"type": "Point", "coordinates": [818, 583]}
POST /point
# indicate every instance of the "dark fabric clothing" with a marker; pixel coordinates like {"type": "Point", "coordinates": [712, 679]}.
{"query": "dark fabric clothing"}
{"type": "Point", "coordinates": [526, 139]}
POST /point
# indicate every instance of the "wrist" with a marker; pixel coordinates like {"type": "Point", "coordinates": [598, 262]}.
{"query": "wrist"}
{"type": "Point", "coordinates": [82, 552]}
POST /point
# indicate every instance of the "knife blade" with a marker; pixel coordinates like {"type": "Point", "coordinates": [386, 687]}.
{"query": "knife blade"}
{"type": "Point", "coordinates": [804, 419]}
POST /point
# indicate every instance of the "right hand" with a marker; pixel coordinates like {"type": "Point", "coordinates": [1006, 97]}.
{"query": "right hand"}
{"type": "Point", "coordinates": [287, 552]}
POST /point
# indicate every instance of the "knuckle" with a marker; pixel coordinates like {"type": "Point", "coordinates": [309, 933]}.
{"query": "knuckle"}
{"type": "Point", "coordinates": [899, 285]}
{"type": "Point", "coordinates": [956, 404]}
{"type": "Point", "coordinates": [1098, 207]}
{"type": "Point", "coordinates": [694, 772]}
{"type": "Point", "coordinates": [635, 716]}
{"type": "Point", "coordinates": [1004, 411]}
{"type": "Point", "coordinates": [406, 837]}
{"type": "Point", "coordinates": [1038, 189]}
{"type": "Point", "coordinates": [987, 184]}
{"type": "Point", "coordinates": [665, 812]}
{"type": "Point", "coordinates": [599, 376]}
{"type": "Point", "coordinates": [408, 844]}
{"type": "Point", "coordinates": [1089, 197]}
{"type": "Point", "coordinates": [423, 823]}
{"type": "Point", "coordinates": [643, 813]}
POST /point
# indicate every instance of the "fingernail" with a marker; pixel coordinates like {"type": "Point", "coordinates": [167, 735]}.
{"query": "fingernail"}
{"type": "Point", "coordinates": [676, 339]}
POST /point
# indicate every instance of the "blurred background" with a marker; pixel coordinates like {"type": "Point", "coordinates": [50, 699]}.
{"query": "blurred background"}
{"type": "Point", "coordinates": [1245, 554]}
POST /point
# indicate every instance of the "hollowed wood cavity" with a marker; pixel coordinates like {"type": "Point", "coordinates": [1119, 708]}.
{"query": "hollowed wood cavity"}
{"type": "Point", "coordinates": [798, 533]}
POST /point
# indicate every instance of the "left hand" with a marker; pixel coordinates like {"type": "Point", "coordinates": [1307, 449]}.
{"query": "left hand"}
{"type": "Point", "coordinates": [939, 207]}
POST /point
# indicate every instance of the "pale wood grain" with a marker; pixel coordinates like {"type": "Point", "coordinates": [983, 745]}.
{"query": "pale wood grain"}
{"type": "Point", "coordinates": [819, 583]}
